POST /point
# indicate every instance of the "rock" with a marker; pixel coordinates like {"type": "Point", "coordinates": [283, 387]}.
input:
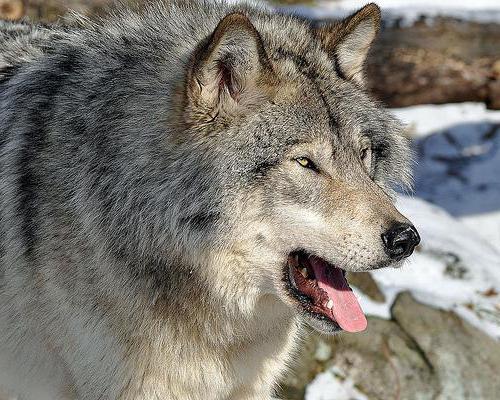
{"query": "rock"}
{"type": "Point", "coordinates": [465, 360]}
{"type": "Point", "coordinates": [364, 282]}
{"type": "Point", "coordinates": [369, 360]}
{"type": "Point", "coordinates": [385, 363]}
{"type": "Point", "coordinates": [423, 353]}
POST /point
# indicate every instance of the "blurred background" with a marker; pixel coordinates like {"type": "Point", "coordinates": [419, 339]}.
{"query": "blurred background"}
{"type": "Point", "coordinates": [434, 325]}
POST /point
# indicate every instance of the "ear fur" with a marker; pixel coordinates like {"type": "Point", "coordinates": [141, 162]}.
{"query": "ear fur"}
{"type": "Point", "coordinates": [231, 71]}
{"type": "Point", "coordinates": [348, 42]}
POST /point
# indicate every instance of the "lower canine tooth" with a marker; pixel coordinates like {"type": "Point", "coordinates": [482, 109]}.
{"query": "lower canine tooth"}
{"type": "Point", "coordinates": [303, 271]}
{"type": "Point", "coordinates": [329, 305]}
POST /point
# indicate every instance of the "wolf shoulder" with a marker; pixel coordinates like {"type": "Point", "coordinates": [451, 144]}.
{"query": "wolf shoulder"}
{"type": "Point", "coordinates": [21, 43]}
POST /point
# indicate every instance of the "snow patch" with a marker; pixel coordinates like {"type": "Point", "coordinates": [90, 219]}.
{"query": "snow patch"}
{"type": "Point", "coordinates": [405, 11]}
{"type": "Point", "coordinates": [333, 385]}
{"type": "Point", "coordinates": [458, 155]}
{"type": "Point", "coordinates": [486, 226]}
{"type": "Point", "coordinates": [425, 119]}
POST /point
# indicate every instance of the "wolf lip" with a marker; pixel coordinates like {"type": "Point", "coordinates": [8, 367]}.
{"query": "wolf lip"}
{"type": "Point", "coordinates": [322, 290]}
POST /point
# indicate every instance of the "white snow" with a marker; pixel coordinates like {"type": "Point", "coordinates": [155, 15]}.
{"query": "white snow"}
{"type": "Point", "coordinates": [333, 385]}
{"type": "Point", "coordinates": [486, 226]}
{"type": "Point", "coordinates": [407, 11]}
{"type": "Point", "coordinates": [425, 119]}
{"type": "Point", "coordinates": [458, 151]}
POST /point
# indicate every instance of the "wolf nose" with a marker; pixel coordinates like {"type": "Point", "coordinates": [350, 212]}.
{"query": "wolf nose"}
{"type": "Point", "coordinates": [400, 241]}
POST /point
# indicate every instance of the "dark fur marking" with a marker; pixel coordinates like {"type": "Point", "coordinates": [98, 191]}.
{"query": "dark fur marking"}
{"type": "Point", "coordinates": [8, 72]}
{"type": "Point", "coordinates": [34, 141]}
{"type": "Point", "coordinates": [261, 169]}
{"type": "Point", "coordinates": [2, 246]}
{"type": "Point", "coordinates": [305, 68]}
{"type": "Point", "coordinates": [3, 135]}
{"type": "Point", "coordinates": [338, 70]}
{"type": "Point", "coordinates": [128, 60]}
{"type": "Point", "coordinates": [381, 148]}
{"type": "Point", "coordinates": [67, 63]}
{"type": "Point", "coordinates": [201, 221]}
{"type": "Point", "coordinates": [331, 119]}
{"type": "Point", "coordinates": [27, 182]}
{"type": "Point", "coordinates": [302, 64]}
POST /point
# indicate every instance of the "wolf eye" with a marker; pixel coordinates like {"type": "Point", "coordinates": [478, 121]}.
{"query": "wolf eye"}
{"type": "Point", "coordinates": [366, 157]}
{"type": "Point", "coordinates": [306, 163]}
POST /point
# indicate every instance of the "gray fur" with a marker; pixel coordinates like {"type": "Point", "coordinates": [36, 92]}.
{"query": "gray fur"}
{"type": "Point", "coordinates": [121, 215]}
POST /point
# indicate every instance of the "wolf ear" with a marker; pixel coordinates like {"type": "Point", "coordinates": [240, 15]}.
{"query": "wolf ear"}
{"type": "Point", "coordinates": [349, 41]}
{"type": "Point", "coordinates": [230, 71]}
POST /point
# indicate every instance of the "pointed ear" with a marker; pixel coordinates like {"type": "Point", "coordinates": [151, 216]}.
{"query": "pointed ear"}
{"type": "Point", "coordinates": [230, 72]}
{"type": "Point", "coordinates": [349, 41]}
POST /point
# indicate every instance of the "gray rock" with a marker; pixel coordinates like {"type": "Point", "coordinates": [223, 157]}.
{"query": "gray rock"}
{"type": "Point", "coordinates": [364, 282]}
{"type": "Point", "coordinates": [421, 354]}
{"type": "Point", "coordinates": [465, 361]}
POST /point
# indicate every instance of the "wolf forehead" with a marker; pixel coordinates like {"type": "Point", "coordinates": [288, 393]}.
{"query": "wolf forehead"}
{"type": "Point", "coordinates": [340, 126]}
{"type": "Point", "coordinates": [316, 97]}
{"type": "Point", "coordinates": [326, 114]}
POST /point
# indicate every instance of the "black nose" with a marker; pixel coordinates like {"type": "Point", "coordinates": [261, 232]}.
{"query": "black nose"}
{"type": "Point", "coordinates": [400, 240]}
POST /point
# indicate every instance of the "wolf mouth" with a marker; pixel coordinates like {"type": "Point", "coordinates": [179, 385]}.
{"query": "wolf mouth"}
{"type": "Point", "coordinates": [322, 292]}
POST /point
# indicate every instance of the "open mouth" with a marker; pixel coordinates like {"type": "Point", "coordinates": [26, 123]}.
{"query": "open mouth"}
{"type": "Point", "coordinates": [323, 292]}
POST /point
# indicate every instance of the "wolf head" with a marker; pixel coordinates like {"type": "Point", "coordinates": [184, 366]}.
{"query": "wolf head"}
{"type": "Point", "coordinates": [306, 157]}
{"type": "Point", "coordinates": [241, 151]}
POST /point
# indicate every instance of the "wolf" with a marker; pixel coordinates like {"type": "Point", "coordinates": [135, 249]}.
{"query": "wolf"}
{"type": "Point", "coordinates": [182, 187]}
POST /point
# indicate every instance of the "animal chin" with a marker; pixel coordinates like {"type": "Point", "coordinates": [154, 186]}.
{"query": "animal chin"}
{"type": "Point", "coordinates": [323, 294]}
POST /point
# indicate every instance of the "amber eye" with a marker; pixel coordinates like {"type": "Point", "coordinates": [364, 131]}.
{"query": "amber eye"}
{"type": "Point", "coordinates": [306, 163]}
{"type": "Point", "coordinates": [366, 157]}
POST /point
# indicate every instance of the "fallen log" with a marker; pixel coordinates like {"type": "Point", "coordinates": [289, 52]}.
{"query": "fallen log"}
{"type": "Point", "coordinates": [442, 61]}
{"type": "Point", "coordinates": [12, 9]}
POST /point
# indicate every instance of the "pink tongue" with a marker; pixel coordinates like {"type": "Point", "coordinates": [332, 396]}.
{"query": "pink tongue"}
{"type": "Point", "coordinates": [346, 309]}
